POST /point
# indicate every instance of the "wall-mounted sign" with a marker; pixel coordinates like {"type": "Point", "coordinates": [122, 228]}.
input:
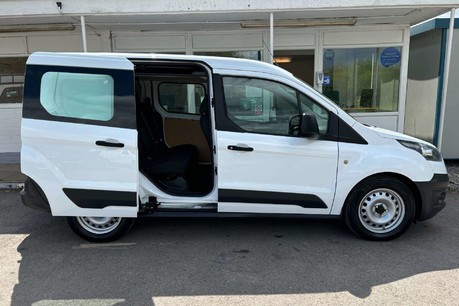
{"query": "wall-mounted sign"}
{"type": "Point", "coordinates": [390, 57]}
{"type": "Point", "coordinates": [327, 80]}
{"type": "Point", "coordinates": [329, 54]}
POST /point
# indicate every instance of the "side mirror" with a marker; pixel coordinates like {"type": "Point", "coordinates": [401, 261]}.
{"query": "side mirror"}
{"type": "Point", "coordinates": [309, 127]}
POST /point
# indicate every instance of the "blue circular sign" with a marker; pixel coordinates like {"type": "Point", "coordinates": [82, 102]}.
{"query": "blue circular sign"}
{"type": "Point", "coordinates": [390, 57]}
{"type": "Point", "coordinates": [329, 54]}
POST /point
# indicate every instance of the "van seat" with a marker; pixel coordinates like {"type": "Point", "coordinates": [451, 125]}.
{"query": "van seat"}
{"type": "Point", "coordinates": [157, 160]}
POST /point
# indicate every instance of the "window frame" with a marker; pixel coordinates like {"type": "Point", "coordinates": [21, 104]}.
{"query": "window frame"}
{"type": "Point", "coordinates": [124, 96]}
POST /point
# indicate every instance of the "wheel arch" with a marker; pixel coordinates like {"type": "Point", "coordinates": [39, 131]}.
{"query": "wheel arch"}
{"type": "Point", "coordinates": [407, 181]}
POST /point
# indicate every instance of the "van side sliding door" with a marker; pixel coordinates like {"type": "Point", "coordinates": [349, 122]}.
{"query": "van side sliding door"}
{"type": "Point", "coordinates": [79, 137]}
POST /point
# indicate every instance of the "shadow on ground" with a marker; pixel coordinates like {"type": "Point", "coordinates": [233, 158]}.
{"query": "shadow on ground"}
{"type": "Point", "coordinates": [218, 257]}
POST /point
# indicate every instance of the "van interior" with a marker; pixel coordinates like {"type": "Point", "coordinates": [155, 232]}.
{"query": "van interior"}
{"type": "Point", "coordinates": [174, 127]}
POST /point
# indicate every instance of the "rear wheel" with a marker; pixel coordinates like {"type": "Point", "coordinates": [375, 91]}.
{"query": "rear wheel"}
{"type": "Point", "coordinates": [379, 208]}
{"type": "Point", "coordinates": [100, 229]}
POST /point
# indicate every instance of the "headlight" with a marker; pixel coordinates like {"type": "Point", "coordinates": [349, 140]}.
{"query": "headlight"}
{"type": "Point", "coordinates": [429, 152]}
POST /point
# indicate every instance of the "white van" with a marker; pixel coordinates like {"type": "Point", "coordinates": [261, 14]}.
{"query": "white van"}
{"type": "Point", "coordinates": [107, 138]}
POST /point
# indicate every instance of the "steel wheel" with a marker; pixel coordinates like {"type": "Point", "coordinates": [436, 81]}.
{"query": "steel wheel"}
{"type": "Point", "coordinates": [100, 229]}
{"type": "Point", "coordinates": [381, 210]}
{"type": "Point", "coordinates": [99, 225]}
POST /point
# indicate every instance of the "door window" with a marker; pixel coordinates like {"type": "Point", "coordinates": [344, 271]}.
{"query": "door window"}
{"type": "Point", "coordinates": [181, 97]}
{"type": "Point", "coordinates": [268, 107]}
{"type": "Point", "coordinates": [78, 95]}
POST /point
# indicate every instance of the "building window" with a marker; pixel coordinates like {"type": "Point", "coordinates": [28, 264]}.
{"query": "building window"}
{"type": "Point", "coordinates": [363, 79]}
{"type": "Point", "coordinates": [12, 79]}
{"type": "Point", "coordinates": [253, 55]}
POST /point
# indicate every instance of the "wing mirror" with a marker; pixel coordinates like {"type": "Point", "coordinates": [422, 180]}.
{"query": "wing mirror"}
{"type": "Point", "coordinates": [308, 126]}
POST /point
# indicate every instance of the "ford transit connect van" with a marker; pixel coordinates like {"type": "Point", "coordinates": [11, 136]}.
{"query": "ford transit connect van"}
{"type": "Point", "coordinates": [107, 138]}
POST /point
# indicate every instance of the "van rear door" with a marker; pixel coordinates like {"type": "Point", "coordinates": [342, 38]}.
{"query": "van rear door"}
{"type": "Point", "coordinates": [79, 137]}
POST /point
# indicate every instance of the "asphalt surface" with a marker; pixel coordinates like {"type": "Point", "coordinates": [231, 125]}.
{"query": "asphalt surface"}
{"type": "Point", "coordinates": [225, 262]}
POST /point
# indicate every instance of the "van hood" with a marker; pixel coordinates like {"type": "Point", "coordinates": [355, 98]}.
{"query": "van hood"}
{"type": "Point", "coordinates": [394, 135]}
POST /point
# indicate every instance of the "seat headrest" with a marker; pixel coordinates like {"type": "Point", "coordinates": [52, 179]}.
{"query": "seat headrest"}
{"type": "Point", "coordinates": [204, 108]}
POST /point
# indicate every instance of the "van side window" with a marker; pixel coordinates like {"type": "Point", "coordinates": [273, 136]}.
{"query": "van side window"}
{"type": "Point", "coordinates": [267, 107]}
{"type": "Point", "coordinates": [321, 114]}
{"type": "Point", "coordinates": [181, 97]}
{"type": "Point", "coordinates": [78, 95]}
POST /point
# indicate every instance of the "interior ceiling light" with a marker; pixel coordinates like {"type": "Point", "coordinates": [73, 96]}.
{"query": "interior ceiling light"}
{"type": "Point", "coordinates": [282, 59]}
{"type": "Point", "coordinates": [298, 23]}
{"type": "Point", "coordinates": [36, 27]}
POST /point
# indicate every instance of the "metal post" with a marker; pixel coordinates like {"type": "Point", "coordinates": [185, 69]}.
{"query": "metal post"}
{"type": "Point", "coordinates": [271, 37]}
{"type": "Point", "coordinates": [83, 34]}
{"type": "Point", "coordinates": [449, 44]}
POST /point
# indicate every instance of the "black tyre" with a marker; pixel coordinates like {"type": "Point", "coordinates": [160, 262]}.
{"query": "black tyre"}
{"type": "Point", "coordinates": [100, 229]}
{"type": "Point", "coordinates": [379, 208]}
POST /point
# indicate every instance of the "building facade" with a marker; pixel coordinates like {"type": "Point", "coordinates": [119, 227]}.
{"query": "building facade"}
{"type": "Point", "coordinates": [355, 53]}
{"type": "Point", "coordinates": [425, 83]}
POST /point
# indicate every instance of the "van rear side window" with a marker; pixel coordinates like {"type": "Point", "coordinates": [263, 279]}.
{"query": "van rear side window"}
{"type": "Point", "coordinates": [78, 95]}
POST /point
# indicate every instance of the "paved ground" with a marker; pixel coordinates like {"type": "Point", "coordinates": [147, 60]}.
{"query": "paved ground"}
{"type": "Point", "coordinates": [11, 173]}
{"type": "Point", "coordinates": [225, 262]}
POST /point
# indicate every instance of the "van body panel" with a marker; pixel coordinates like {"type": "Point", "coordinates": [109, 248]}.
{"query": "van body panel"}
{"type": "Point", "coordinates": [80, 147]}
{"type": "Point", "coordinates": [379, 157]}
{"type": "Point", "coordinates": [80, 60]}
{"type": "Point", "coordinates": [79, 142]}
{"type": "Point", "coordinates": [277, 164]}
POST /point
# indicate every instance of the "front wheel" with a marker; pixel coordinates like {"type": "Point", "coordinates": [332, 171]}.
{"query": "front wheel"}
{"type": "Point", "coordinates": [379, 208]}
{"type": "Point", "coordinates": [100, 229]}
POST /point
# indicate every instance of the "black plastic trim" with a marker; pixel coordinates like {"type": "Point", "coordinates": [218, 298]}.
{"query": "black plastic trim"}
{"type": "Point", "coordinates": [347, 134]}
{"type": "Point", "coordinates": [269, 197]}
{"type": "Point", "coordinates": [238, 148]}
{"type": "Point", "coordinates": [124, 100]}
{"type": "Point", "coordinates": [222, 123]}
{"type": "Point", "coordinates": [204, 214]}
{"type": "Point", "coordinates": [88, 198]}
{"type": "Point", "coordinates": [104, 143]}
{"type": "Point", "coordinates": [433, 195]}
{"type": "Point", "coordinates": [33, 196]}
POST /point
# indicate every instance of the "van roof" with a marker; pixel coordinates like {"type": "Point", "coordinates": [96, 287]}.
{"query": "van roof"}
{"type": "Point", "coordinates": [226, 63]}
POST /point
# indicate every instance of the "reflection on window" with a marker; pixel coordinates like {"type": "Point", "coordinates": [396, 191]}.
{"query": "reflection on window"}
{"type": "Point", "coordinates": [181, 98]}
{"type": "Point", "coordinates": [267, 107]}
{"type": "Point", "coordinates": [253, 55]}
{"type": "Point", "coordinates": [78, 95]}
{"type": "Point", "coordinates": [12, 79]}
{"type": "Point", "coordinates": [363, 79]}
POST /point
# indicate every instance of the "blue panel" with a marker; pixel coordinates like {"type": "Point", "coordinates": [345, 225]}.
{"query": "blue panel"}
{"type": "Point", "coordinates": [440, 85]}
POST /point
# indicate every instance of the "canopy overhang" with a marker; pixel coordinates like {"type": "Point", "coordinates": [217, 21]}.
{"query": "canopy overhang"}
{"type": "Point", "coordinates": [147, 15]}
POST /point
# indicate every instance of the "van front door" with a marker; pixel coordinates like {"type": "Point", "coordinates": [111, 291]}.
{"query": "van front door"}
{"type": "Point", "coordinates": [264, 166]}
{"type": "Point", "coordinates": [79, 137]}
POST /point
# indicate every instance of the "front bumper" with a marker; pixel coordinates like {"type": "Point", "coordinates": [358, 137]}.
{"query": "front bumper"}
{"type": "Point", "coordinates": [433, 195]}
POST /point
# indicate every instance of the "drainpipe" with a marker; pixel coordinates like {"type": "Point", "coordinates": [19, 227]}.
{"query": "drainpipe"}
{"type": "Point", "coordinates": [271, 37]}
{"type": "Point", "coordinates": [83, 34]}
{"type": "Point", "coordinates": [449, 44]}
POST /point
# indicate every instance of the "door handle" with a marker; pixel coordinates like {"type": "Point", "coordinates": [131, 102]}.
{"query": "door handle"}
{"type": "Point", "coordinates": [240, 148]}
{"type": "Point", "coordinates": [107, 143]}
